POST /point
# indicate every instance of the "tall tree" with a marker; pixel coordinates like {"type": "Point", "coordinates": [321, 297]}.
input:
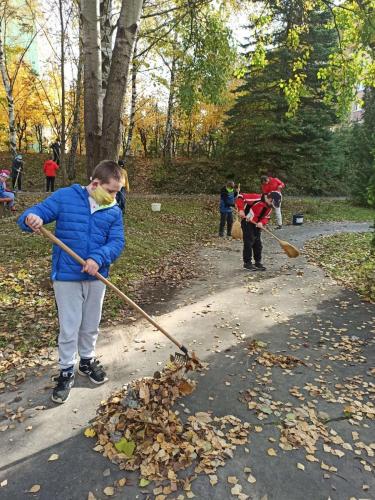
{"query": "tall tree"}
{"type": "Point", "coordinates": [103, 116]}
{"type": "Point", "coordinates": [263, 134]}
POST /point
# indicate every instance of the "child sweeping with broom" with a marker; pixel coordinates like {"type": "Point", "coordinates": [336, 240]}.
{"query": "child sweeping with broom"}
{"type": "Point", "coordinates": [89, 221]}
{"type": "Point", "coordinates": [255, 211]}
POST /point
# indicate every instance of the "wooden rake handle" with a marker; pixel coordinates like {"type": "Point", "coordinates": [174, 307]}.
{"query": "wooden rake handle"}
{"type": "Point", "coordinates": [118, 292]}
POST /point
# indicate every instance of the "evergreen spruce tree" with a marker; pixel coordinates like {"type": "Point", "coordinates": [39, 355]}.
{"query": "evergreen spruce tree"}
{"type": "Point", "coordinates": [261, 135]}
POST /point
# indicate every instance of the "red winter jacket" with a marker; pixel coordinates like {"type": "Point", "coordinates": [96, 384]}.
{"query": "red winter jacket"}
{"type": "Point", "coordinates": [252, 204]}
{"type": "Point", "coordinates": [50, 168]}
{"type": "Point", "coordinates": [273, 184]}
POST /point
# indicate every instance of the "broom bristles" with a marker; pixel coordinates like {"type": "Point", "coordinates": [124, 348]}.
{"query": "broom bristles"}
{"type": "Point", "coordinates": [289, 249]}
{"type": "Point", "coordinates": [237, 230]}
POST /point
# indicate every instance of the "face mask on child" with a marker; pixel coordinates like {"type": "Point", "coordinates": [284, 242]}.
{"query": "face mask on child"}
{"type": "Point", "coordinates": [101, 196]}
{"type": "Point", "coordinates": [230, 190]}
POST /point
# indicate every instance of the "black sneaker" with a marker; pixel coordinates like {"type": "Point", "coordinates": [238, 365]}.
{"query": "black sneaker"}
{"type": "Point", "coordinates": [279, 226]}
{"type": "Point", "coordinates": [249, 266]}
{"type": "Point", "coordinates": [93, 369]}
{"type": "Point", "coordinates": [65, 382]}
{"type": "Point", "coordinates": [259, 266]}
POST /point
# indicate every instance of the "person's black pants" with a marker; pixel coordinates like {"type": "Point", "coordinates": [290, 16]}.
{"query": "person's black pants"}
{"type": "Point", "coordinates": [17, 180]}
{"type": "Point", "coordinates": [226, 217]}
{"type": "Point", "coordinates": [50, 183]}
{"type": "Point", "coordinates": [252, 243]}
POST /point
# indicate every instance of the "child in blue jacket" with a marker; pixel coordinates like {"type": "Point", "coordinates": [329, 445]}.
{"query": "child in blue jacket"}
{"type": "Point", "coordinates": [89, 221]}
{"type": "Point", "coordinates": [228, 195]}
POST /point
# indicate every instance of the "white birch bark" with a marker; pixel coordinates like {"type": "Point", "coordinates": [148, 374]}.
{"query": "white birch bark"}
{"type": "Point", "coordinates": [10, 100]}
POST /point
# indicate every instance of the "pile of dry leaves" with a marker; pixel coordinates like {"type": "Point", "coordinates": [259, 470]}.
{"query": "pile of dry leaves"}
{"type": "Point", "coordinates": [267, 358]}
{"type": "Point", "coordinates": [138, 429]}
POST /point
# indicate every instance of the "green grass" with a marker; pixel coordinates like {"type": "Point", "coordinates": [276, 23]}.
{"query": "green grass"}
{"type": "Point", "coordinates": [325, 210]}
{"type": "Point", "coordinates": [348, 258]}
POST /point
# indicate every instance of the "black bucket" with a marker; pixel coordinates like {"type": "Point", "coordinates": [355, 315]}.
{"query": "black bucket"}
{"type": "Point", "coordinates": [297, 219]}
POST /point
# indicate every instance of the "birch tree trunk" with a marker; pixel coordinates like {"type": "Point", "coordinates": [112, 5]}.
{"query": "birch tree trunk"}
{"type": "Point", "coordinates": [133, 106]}
{"type": "Point", "coordinates": [63, 100]}
{"type": "Point", "coordinates": [71, 166]}
{"type": "Point", "coordinates": [106, 40]}
{"type": "Point", "coordinates": [114, 99]}
{"type": "Point", "coordinates": [10, 101]}
{"type": "Point", "coordinates": [167, 146]}
{"type": "Point", "coordinates": [92, 81]}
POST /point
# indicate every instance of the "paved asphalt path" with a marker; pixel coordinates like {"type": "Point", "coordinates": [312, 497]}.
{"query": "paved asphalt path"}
{"type": "Point", "coordinates": [295, 309]}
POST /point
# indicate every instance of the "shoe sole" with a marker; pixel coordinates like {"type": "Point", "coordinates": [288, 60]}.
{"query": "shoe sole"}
{"type": "Point", "coordinates": [59, 401]}
{"type": "Point", "coordinates": [83, 374]}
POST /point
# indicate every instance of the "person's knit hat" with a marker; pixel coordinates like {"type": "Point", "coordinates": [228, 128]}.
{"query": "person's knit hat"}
{"type": "Point", "coordinates": [4, 173]}
{"type": "Point", "coordinates": [276, 198]}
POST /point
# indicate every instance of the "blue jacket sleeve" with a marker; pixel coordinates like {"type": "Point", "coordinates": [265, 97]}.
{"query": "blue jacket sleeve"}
{"type": "Point", "coordinates": [47, 210]}
{"type": "Point", "coordinates": [109, 252]}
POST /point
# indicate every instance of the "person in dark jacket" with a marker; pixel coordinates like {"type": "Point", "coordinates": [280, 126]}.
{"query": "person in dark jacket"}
{"type": "Point", "coordinates": [55, 146]}
{"type": "Point", "coordinates": [228, 196]}
{"type": "Point", "coordinates": [255, 212]}
{"type": "Point", "coordinates": [121, 195]}
{"type": "Point", "coordinates": [89, 221]}
{"type": "Point", "coordinates": [17, 168]}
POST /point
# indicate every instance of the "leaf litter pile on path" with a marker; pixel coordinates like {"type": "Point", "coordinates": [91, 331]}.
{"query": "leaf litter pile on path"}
{"type": "Point", "coordinates": [137, 429]}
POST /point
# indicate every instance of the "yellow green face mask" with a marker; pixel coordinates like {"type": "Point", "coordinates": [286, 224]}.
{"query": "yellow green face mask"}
{"type": "Point", "coordinates": [101, 196]}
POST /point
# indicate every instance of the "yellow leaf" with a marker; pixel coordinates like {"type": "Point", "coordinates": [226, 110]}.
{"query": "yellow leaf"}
{"type": "Point", "coordinates": [35, 488]}
{"type": "Point", "coordinates": [300, 466]}
{"type": "Point", "coordinates": [251, 479]}
{"type": "Point", "coordinates": [53, 457]}
{"type": "Point", "coordinates": [143, 482]}
{"type": "Point", "coordinates": [91, 496]}
{"type": "Point", "coordinates": [109, 491]}
{"type": "Point", "coordinates": [232, 480]}
{"type": "Point", "coordinates": [89, 432]}
{"type": "Point", "coordinates": [271, 452]}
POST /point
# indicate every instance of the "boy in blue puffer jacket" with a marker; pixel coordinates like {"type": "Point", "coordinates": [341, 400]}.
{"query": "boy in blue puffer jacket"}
{"type": "Point", "coordinates": [89, 221]}
{"type": "Point", "coordinates": [228, 195]}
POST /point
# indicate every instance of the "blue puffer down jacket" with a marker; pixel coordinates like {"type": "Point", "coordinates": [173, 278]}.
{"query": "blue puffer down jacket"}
{"type": "Point", "coordinates": [98, 236]}
{"type": "Point", "coordinates": [227, 200]}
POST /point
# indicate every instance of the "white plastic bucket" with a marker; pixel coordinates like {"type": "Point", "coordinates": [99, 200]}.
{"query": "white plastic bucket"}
{"type": "Point", "coordinates": [155, 207]}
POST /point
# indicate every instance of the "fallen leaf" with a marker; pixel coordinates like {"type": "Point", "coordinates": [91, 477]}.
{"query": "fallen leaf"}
{"type": "Point", "coordinates": [236, 490]}
{"type": "Point", "coordinates": [126, 447]}
{"type": "Point", "coordinates": [35, 488]}
{"type": "Point", "coordinates": [271, 452]}
{"type": "Point", "coordinates": [213, 479]}
{"type": "Point", "coordinates": [143, 482]}
{"type": "Point", "coordinates": [89, 432]}
{"type": "Point", "coordinates": [53, 457]}
{"type": "Point", "coordinates": [109, 491]}
{"type": "Point", "coordinates": [251, 479]}
{"type": "Point", "coordinates": [232, 480]}
{"type": "Point", "coordinates": [91, 496]}
{"type": "Point", "coordinates": [3, 483]}
{"type": "Point", "coordinates": [300, 466]}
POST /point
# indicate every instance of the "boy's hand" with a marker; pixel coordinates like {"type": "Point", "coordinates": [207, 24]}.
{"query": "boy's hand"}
{"type": "Point", "coordinates": [242, 214]}
{"type": "Point", "coordinates": [34, 222]}
{"type": "Point", "coordinates": [91, 267]}
{"type": "Point", "coordinates": [260, 225]}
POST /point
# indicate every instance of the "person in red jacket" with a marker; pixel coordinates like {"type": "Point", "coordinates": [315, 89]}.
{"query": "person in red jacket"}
{"type": "Point", "coordinates": [270, 184]}
{"type": "Point", "coordinates": [50, 167]}
{"type": "Point", "coordinates": [255, 211]}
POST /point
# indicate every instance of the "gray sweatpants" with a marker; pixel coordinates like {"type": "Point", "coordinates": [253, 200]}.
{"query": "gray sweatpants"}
{"type": "Point", "coordinates": [79, 306]}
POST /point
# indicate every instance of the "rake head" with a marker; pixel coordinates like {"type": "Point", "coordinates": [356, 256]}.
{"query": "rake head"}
{"type": "Point", "coordinates": [190, 362]}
